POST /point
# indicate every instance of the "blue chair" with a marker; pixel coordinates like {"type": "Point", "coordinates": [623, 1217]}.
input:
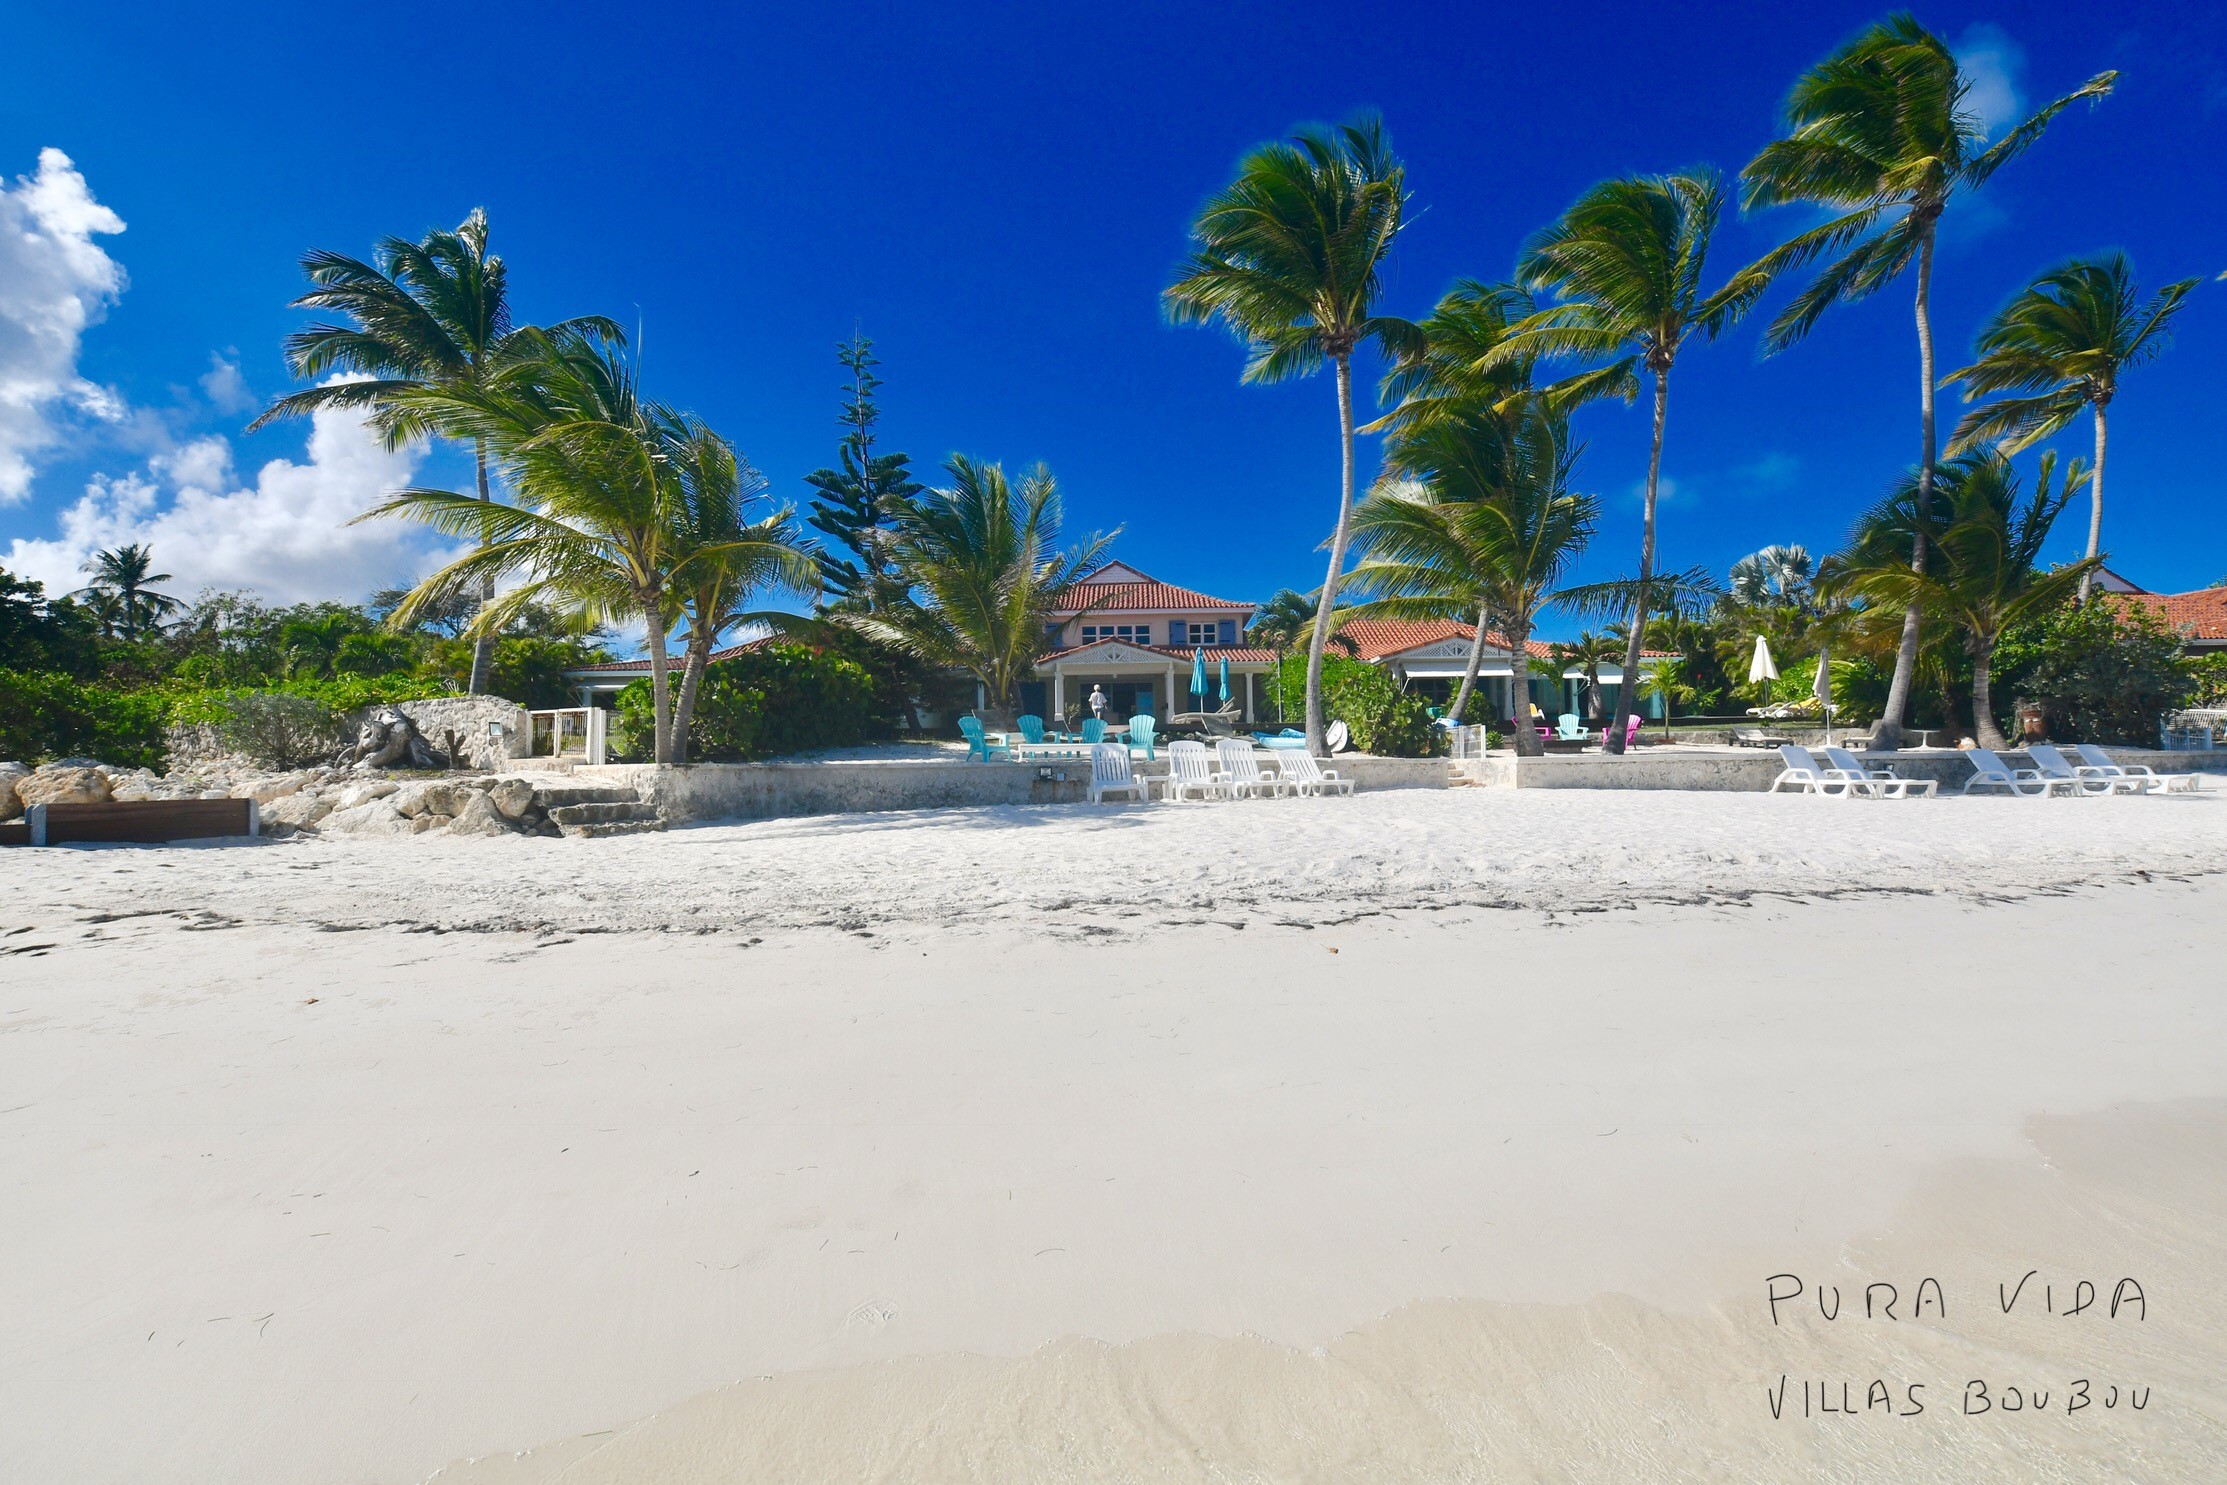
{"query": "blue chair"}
{"type": "Point", "coordinates": [1140, 735]}
{"type": "Point", "coordinates": [1569, 728]}
{"type": "Point", "coordinates": [1094, 731]}
{"type": "Point", "coordinates": [979, 747]}
{"type": "Point", "coordinates": [1032, 730]}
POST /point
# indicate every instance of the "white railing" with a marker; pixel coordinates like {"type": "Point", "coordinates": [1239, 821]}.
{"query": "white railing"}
{"type": "Point", "coordinates": [1469, 742]}
{"type": "Point", "coordinates": [569, 732]}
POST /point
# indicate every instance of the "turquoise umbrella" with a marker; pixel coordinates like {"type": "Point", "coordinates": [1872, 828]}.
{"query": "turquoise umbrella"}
{"type": "Point", "coordinates": [1225, 678]}
{"type": "Point", "coordinates": [1198, 673]}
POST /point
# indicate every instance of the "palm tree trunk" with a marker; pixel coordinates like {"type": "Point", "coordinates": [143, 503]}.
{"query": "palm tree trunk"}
{"type": "Point", "coordinates": [1522, 736]}
{"type": "Point", "coordinates": [1983, 704]}
{"type": "Point", "coordinates": [1627, 695]}
{"type": "Point", "coordinates": [661, 689]}
{"type": "Point", "coordinates": [483, 648]}
{"type": "Point", "coordinates": [691, 678]}
{"type": "Point", "coordinates": [1321, 639]}
{"type": "Point", "coordinates": [1888, 736]}
{"type": "Point", "coordinates": [2095, 505]}
{"type": "Point", "coordinates": [1469, 672]}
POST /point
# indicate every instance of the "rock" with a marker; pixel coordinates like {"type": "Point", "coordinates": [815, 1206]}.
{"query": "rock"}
{"type": "Point", "coordinates": [297, 811]}
{"type": "Point", "coordinates": [512, 796]}
{"type": "Point", "coordinates": [357, 795]}
{"type": "Point", "coordinates": [376, 818]}
{"type": "Point", "coordinates": [420, 824]}
{"type": "Point", "coordinates": [56, 784]}
{"type": "Point", "coordinates": [10, 775]}
{"type": "Point", "coordinates": [433, 798]}
{"type": "Point", "coordinates": [263, 791]}
{"type": "Point", "coordinates": [479, 817]}
{"type": "Point", "coordinates": [93, 763]}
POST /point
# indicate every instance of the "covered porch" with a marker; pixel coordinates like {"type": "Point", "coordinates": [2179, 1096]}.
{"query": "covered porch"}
{"type": "Point", "coordinates": [1148, 680]}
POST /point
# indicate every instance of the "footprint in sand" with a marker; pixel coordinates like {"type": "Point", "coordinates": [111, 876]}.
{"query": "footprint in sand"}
{"type": "Point", "coordinates": [872, 1314]}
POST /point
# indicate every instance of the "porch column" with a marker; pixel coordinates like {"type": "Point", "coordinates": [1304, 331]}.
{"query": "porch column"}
{"type": "Point", "coordinates": [1249, 717]}
{"type": "Point", "coordinates": [1059, 698]}
{"type": "Point", "coordinates": [1172, 707]}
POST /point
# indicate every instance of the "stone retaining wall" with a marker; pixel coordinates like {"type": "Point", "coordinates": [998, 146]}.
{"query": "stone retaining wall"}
{"type": "Point", "coordinates": [1748, 773]}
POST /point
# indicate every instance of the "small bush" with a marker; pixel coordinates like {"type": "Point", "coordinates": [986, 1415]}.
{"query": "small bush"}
{"type": "Point", "coordinates": [43, 715]}
{"type": "Point", "coordinates": [272, 729]}
{"type": "Point", "coordinates": [2104, 671]}
{"type": "Point", "coordinates": [767, 702]}
{"type": "Point", "coordinates": [1381, 717]}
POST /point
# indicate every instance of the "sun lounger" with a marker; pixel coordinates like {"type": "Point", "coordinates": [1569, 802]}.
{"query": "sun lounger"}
{"type": "Point", "coordinates": [1240, 771]}
{"type": "Point", "coordinates": [2151, 781]}
{"type": "Point", "coordinates": [1805, 775]}
{"type": "Point", "coordinates": [2053, 764]}
{"type": "Point", "coordinates": [1191, 774]}
{"type": "Point", "coordinates": [1990, 772]}
{"type": "Point", "coordinates": [1310, 777]}
{"type": "Point", "coordinates": [1756, 737]}
{"type": "Point", "coordinates": [1879, 783]}
{"type": "Point", "coordinates": [979, 746]}
{"type": "Point", "coordinates": [1109, 774]}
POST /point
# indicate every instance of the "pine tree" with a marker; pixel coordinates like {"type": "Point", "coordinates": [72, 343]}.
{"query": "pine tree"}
{"type": "Point", "coordinates": [855, 501]}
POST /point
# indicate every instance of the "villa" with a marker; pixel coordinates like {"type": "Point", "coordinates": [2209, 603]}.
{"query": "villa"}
{"type": "Point", "coordinates": [1139, 640]}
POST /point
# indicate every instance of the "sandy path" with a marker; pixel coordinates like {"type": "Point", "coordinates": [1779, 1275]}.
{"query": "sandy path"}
{"type": "Point", "coordinates": [1142, 869]}
{"type": "Point", "coordinates": [301, 1206]}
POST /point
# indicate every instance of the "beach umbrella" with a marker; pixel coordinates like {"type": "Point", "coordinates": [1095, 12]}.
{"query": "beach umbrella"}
{"type": "Point", "coordinates": [1822, 689]}
{"type": "Point", "coordinates": [1198, 673]}
{"type": "Point", "coordinates": [1225, 678]}
{"type": "Point", "coordinates": [1760, 668]}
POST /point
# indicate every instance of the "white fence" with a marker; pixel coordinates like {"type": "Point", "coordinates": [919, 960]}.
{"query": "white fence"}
{"type": "Point", "coordinates": [570, 732]}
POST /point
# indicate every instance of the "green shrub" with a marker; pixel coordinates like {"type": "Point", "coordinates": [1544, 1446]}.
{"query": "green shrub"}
{"type": "Point", "coordinates": [43, 715]}
{"type": "Point", "coordinates": [785, 698]}
{"type": "Point", "coordinates": [274, 729]}
{"type": "Point", "coordinates": [1381, 717]}
{"type": "Point", "coordinates": [2104, 671]}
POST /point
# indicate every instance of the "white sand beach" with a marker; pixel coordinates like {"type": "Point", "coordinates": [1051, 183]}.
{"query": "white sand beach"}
{"type": "Point", "coordinates": [1421, 1137]}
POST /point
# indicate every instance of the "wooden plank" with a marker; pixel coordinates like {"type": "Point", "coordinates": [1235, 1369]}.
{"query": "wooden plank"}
{"type": "Point", "coordinates": [15, 833]}
{"type": "Point", "coordinates": [150, 821]}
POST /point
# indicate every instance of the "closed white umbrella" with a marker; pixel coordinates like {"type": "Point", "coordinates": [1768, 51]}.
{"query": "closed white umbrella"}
{"type": "Point", "coordinates": [1822, 689]}
{"type": "Point", "coordinates": [1761, 668]}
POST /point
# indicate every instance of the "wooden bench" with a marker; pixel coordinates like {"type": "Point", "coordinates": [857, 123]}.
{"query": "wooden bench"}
{"type": "Point", "coordinates": [145, 821]}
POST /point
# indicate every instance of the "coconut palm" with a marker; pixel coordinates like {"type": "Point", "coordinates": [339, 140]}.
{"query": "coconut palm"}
{"type": "Point", "coordinates": [984, 579]}
{"type": "Point", "coordinates": [1486, 527]}
{"type": "Point", "coordinates": [729, 560]}
{"type": "Point", "coordinates": [1778, 574]}
{"type": "Point", "coordinates": [1983, 570]}
{"type": "Point", "coordinates": [120, 595]}
{"type": "Point", "coordinates": [1879, 133]}
{"type": "Point", "coordinates": [2057, 347]}
{"type": "Point", "coordinates": [599, 526]}
{"type": "Point", "coordinates": [1290, 258]}
{"type": "Point", "coordinates": [428, 314]}
{"type": "Point", "coordinates": [1626, 264]}
{"type": "Point", "coordinates": [1585, 655]}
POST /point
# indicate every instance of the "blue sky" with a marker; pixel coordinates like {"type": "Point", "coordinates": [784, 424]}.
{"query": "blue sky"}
{"type": "Point", "coordinates": [997, 194]}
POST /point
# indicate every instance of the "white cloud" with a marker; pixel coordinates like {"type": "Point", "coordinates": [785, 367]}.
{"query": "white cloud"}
{"type": "Point", "coordinates": [54, 282]}
{"type": "Point", "coordinates": [226, 389]}
{"type": "Point", "coordinates": [286, 536]}
{"type": "Point", "coordinates": [1993, 64]}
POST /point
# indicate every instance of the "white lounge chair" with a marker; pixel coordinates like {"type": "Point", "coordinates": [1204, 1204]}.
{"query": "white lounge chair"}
{"type": "Point", "coordinates": [2152, 782]}
{"type": "Point", "coordinates": [1805, 775]}
{"type": "Point", "coordinates": [1240, 771]}
{"type": "Point", "coordinates": [1309, 776]}
{"type": "Point", "coordinates": [2053, 764]}
{"type": "Point", "coordinates": [1990, 772]}
{"type": "Point", "coordinates": [1191, 774]}
{"type": "Point", "coordinates": [1109, 774]}
{"type": "Point", "coordinates": [1879, 783]}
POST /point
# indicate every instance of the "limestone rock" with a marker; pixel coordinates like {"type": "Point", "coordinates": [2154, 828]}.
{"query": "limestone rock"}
{"type": "Point", "coordinates": [420, 824]}
{"type": "Point", "coordinates": [378, 817]}
{"type": "Point", "coordinates": [479, 817]}
{"type": "Point", "coordinates": [512, 796]}
{"type": "Point", "coordinates": [436, 797]}
{"type": "Point", "coordinates": [297, 811]}
{"type": "Point", "coordinates": [10, 775]}
{"type": "Point", "coordinates": [263, 791]}
{"type": "Point", "coordinates": [57, 784]}
{"type": "Point", "coordinates": [358, 795]}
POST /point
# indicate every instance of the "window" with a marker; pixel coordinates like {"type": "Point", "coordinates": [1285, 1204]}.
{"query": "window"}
{"type": "Point", "coordinates": [1134, 633]}
{"type": "Point", "coordinates": [1200, 634]}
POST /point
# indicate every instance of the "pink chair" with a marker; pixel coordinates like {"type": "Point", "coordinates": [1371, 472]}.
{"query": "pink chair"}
{"type": "Point", "coordinates": [1631, 731]}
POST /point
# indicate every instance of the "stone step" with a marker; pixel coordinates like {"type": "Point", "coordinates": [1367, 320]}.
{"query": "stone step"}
{"type": "Point", "coordinates": [562, 796]}
{"type": "Point", "coordinates": [602, 812]}
{"type": "Point", "coordinates": [614, 827]}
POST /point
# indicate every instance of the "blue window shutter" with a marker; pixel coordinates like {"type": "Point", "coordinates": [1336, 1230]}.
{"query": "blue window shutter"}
{"type": "Point", "coordinates": [1175, 633]}
{"type": "Point", "coordinates": [1228, 628]}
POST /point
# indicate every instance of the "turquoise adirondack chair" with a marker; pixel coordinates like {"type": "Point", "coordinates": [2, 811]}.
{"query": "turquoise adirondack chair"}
{"type": "Point", "coordinates": [1094, 731]}
{"type": "Point", "coordinates": [1569, 727]}
{"type": "Point", "coordinates": [1032, 730]}
{"type": "Point", "coordinates": [978, 745]}
{"type": "Point", "coordinates": [1140, 735]}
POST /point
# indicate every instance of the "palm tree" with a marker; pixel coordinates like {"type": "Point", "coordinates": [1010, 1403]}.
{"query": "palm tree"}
{"type": "Point", "coordinates": [427, 314]}
{"type": "Point", "coordinates": [599, 528]}
{"type": "Point", "coordinates": [1880, 134]}
{"type": "Point", "coordinates": [120, 595]}
{"type": "Point", "coordinates": [730, 559]}
{"type": "Point", "coordinates": [2057, 347]}
{"type": "Point", "coordinates": [1290, 258]}
{"type": "Point", "coordinates": [1626, 264]}
{"type": "Point", "coordinates": [984, 580]}
{"type": "Point", "coordinates": [1778, 574]}
{"type": "Point", "coordinates": [1585, 653]}
{"type": "Point", "coordinates": [1983, 573]}
{"type": "Point", "coordinates": [1487, 526]}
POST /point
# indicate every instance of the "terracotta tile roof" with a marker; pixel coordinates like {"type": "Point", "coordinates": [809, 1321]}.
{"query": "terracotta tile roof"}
{"type": "Point", "coordinates": [2200, 615]}
{"type": "Point", "coordinates": [1144, 595]}
{"type": "Point", "coordinates": [1373, 639]}
{"type": "Point", "coordinates": [642, 666]}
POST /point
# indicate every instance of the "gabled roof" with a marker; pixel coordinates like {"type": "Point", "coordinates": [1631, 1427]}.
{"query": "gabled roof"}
{"type": "Point", "coordinates": [1378, 639]}
{"type": "Point", "coordinates": [1118, 588]}
{"type": "Point", "coordinates": [2201, 614]}
{"type": "Point", "coordinates": [642, 665]}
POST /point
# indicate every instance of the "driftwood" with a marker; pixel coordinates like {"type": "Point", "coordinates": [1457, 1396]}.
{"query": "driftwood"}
{"type": "Point", "coordinates": [389, 739]}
